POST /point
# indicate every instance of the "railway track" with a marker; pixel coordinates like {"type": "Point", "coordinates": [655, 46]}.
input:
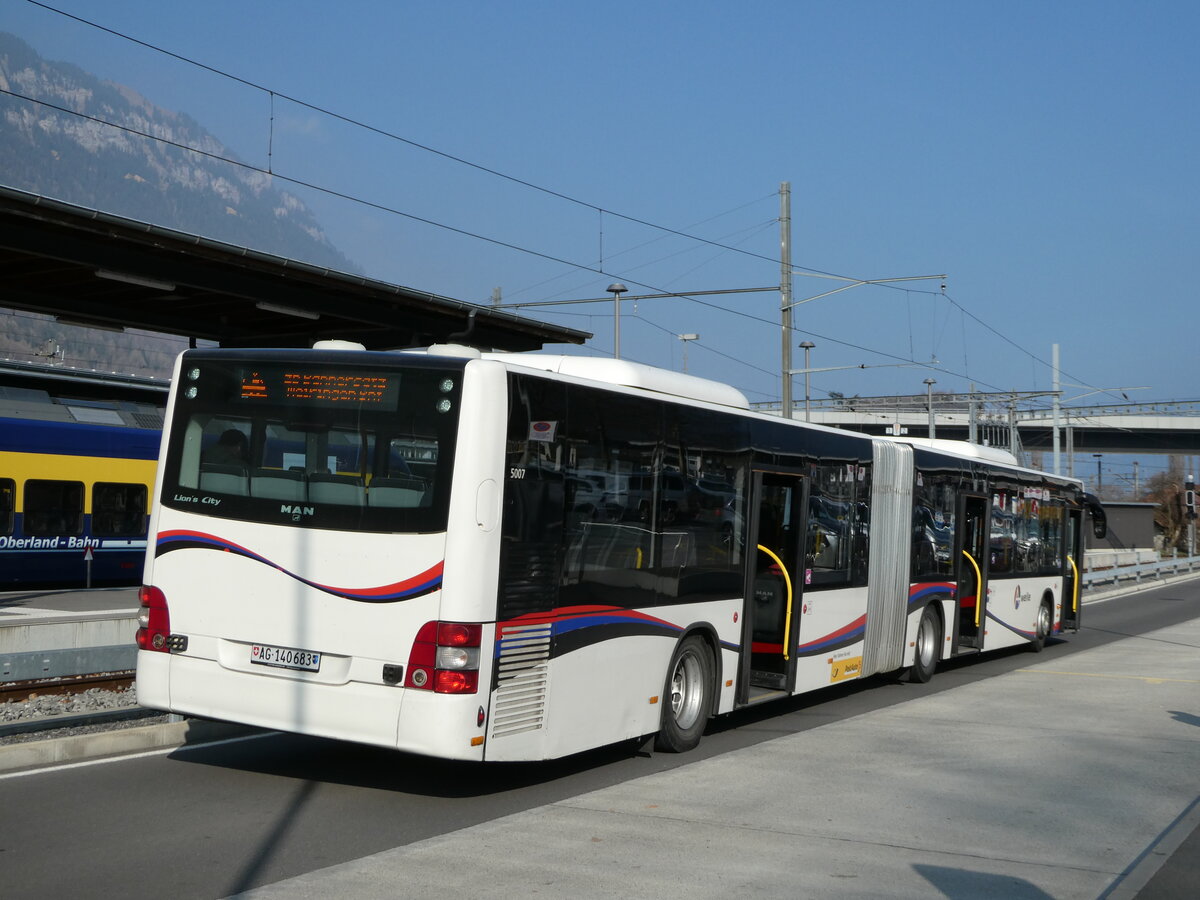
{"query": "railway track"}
{"type": "Point", "coordinates": [19, 691]}
{"type": "Point", "coordinates": [37, 719]}
{"type": "Point", "coordinates": [58, 724]}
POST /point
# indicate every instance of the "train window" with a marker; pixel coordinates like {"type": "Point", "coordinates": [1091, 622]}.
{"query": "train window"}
{"type": "Point", "coordinates": [118, 510]}
{"type": "Point", "coordinates": [53, 507]}
{"type": "Point", "coordinates": [8, 495]}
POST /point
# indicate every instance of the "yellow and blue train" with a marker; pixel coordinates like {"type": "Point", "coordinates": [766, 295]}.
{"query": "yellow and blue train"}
{"type": "Point", "coordinates": [78, 453]}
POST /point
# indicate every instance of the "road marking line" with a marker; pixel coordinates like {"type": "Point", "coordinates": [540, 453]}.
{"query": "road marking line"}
{"type": "Point", "coordinates": [161, 751]}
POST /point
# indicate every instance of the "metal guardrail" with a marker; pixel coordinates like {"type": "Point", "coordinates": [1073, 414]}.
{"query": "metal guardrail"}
{"type": "Point", "coordinates": [66, 663]}
{"type": "Point", "coordinates": [1155, 571]}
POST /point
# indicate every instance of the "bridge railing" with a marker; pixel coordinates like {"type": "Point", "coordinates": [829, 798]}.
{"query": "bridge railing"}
{"type": "Point", "coordinates": [1142, 572]}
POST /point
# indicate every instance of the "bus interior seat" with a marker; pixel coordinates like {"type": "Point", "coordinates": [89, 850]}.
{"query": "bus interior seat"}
{"type": "Point", "coordinates": [397, 491]}
{"type": "Point", "coordinates": [221, 478]}
{"type": "Point", "coordinates": [346, 490]}
{"type": "Point", "coordinates": [277, 484]}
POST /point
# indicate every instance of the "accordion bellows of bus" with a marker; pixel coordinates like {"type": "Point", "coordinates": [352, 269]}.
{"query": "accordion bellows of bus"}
{"type": "Point", "coordinates": [518, 557]}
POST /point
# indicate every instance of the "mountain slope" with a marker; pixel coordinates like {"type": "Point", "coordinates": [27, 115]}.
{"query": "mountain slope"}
{"type": "Point", "coordinates": [115, 170]}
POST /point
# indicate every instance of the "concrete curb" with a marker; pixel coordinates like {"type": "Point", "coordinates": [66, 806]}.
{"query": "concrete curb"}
{"type": "Point", "coordinates": [94, 745]}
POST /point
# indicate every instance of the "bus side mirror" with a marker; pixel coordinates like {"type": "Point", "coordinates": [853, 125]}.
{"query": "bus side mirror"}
{"type": "Point", "coordinates": [1099, 520]}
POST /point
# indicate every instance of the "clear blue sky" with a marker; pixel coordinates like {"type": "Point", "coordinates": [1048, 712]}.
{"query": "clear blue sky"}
{"type": "Point", "coordinates": [1041, 154]}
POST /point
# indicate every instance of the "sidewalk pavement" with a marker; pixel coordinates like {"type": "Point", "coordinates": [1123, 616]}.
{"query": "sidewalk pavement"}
{"type": "Point", "coordinates": [1069, 778]}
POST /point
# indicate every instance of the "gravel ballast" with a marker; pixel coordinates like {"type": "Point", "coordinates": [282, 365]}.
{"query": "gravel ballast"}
{"type": "Point", "coordinates": [53, 713]}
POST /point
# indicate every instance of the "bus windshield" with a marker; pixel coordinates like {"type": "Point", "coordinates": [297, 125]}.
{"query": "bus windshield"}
{"type": "Point", "coordinates": [314, 444]}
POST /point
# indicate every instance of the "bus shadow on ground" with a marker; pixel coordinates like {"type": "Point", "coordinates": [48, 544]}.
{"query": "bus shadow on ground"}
{"type": "Point", "coordinates": [324, 760]}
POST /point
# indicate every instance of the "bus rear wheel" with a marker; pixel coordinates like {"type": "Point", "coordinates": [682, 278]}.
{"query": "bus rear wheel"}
{"type": "Point", "coordinates": [687, 697]}
{"type": "Point", "coordinates": [929, 647]}
{"type": "Point", "coordinates": [1045, 622]}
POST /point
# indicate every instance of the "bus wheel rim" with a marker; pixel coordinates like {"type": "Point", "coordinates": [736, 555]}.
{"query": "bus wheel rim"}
{"type": "Point", "coordinates": [925, 642]}
{"type": "Point", "coordinates": [686, 691]}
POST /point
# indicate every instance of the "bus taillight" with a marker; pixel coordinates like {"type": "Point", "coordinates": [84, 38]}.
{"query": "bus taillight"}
{"type": "Point", "coordinates": [154, 620]}
{"type": "Point", "coordinates": [445, 658]}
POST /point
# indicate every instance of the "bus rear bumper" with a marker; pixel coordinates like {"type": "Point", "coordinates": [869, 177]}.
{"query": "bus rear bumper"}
{"type": "Point", "coordinates": [432, 724]}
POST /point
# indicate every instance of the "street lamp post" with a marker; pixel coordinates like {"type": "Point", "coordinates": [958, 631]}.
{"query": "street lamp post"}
{"type": "Point", "coordinates": [1190, 504]}
{"type": "Point", "coordinates": [1099, 476]}
{"type": "Point", "coordinates": [806, 346]}
{"type": "Point", "coordinates": [616, 289]}
{"type": "Point", "coordinates": [929, 383]}
{"type": "Point", "coordinates": [686, 338]}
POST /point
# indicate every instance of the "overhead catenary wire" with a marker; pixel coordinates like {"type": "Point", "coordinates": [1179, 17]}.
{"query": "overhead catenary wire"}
{"type": "Point", "coordinates": [359, 200]}
{"type": "Point", "coordinates": [932, 366]}
{"type": "Point", "coordinates": [601, 210]}
{"type": "Point", "coordinates": [382, 132]}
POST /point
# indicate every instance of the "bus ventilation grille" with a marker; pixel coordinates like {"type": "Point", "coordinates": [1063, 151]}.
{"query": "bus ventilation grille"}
{"type": "Point", "coordinates": [522, 665]}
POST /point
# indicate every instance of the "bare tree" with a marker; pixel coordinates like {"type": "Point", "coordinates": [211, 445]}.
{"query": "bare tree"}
{"type": "Point", "coordinates": [1166, 489]}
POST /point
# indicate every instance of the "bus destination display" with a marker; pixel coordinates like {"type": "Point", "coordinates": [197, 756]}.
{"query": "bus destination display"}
{"type": "Point", "coordinates": [325, 389]}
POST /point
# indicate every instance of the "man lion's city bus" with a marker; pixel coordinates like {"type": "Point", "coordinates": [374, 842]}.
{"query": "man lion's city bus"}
{"type": "Point", "coordinates": [518, 557]}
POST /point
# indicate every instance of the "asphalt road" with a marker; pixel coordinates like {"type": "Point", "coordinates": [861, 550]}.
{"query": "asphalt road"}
{"type": "Point", "coordinates": [214, 821]}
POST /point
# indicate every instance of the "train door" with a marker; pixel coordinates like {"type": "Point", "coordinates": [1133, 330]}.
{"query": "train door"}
{"type": "Point", "coordinates": [971, 553]}
{"type": "Point", "coordinates": [774, 583]}
{"type": "Point", "coordinates": [1072, 608]}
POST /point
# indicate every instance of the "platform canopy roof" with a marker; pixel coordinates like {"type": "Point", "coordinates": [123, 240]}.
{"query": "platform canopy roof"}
{"type": "Point", "coordinates": [91, 268]}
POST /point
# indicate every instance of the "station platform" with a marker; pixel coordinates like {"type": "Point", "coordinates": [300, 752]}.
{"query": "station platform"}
{"type": "Point", "coordinates": [46, 634]}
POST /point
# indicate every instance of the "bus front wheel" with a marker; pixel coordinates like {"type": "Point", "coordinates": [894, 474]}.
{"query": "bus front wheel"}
{"type": "Point", "coordinates": [687, 697]}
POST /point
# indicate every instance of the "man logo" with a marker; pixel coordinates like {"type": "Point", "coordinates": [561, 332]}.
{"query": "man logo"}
{"type": "Point", "coordinates": [297, 511]}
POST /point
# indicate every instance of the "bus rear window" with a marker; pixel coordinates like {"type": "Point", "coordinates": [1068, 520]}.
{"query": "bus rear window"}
{"type": "Point", "coordinates": [314, 445]}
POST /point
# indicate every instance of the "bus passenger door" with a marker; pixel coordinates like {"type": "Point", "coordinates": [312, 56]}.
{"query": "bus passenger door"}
{"type": "Point", "coordinates": [1072, 565]}
{"type": "Point", "coordinates": [973, 538]}
{"type": "Point", "coordinates": [774, 584]}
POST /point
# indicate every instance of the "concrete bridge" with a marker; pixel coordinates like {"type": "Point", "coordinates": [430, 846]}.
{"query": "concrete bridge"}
{"type": "Point", "coordinates": [1013, 421]}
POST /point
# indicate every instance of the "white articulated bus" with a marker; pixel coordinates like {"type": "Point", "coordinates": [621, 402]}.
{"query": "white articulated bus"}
{"type": "Point", "coordinates": [518, 557]}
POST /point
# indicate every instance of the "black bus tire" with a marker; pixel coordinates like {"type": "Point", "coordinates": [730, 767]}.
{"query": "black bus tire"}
{"type": "Point", "coordinates": [1045, 623]}
{"type": "Point", "coordinates": [928, 650]}
{"type": "Point", "coordinates": [687, 697]}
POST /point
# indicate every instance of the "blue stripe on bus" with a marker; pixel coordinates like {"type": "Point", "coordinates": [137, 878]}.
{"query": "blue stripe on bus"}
{"type": "Point", "coordinates": [78, 439]}
{"type": "Point", "coordinates": [1028, 635]}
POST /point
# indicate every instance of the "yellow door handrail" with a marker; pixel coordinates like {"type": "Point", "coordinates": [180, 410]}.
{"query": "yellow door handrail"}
{"type": "Point", "coordinates": [787, 579]}
{"type": "Point", "coordinates": [978, 585]}
{"type": "Point", "coordinates": [1074, 585]}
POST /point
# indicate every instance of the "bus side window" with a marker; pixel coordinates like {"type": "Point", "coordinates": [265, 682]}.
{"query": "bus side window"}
{"type": "Point", "coordinates": [831, 531]}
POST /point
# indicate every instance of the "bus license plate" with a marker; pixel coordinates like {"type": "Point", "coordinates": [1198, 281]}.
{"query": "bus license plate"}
{"type": "Point", "coordinates": [285, 658]}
